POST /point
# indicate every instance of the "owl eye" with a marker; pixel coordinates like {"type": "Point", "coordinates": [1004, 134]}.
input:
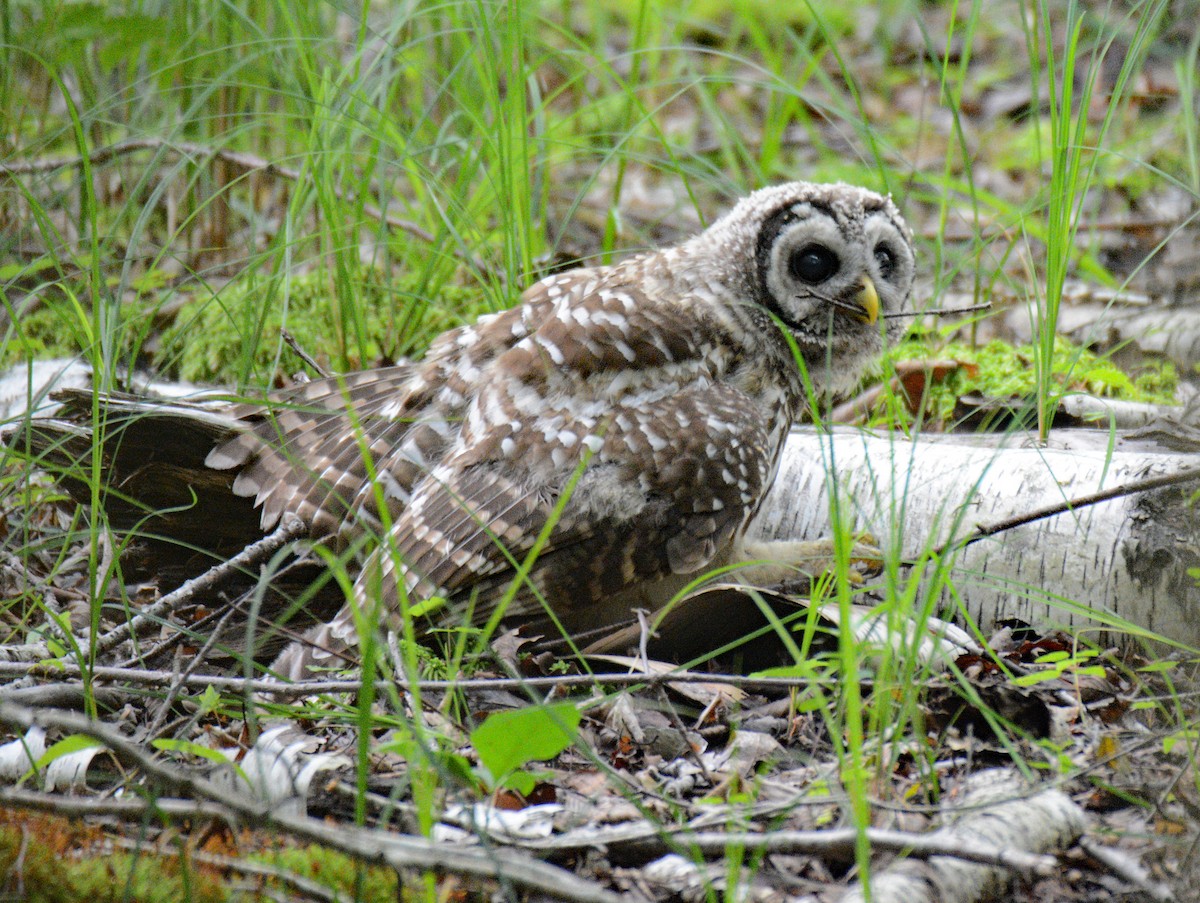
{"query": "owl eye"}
{"type": "Point", "coordinates": [885, 260]}
{"type": "Point", "coordinates": [813, 264]}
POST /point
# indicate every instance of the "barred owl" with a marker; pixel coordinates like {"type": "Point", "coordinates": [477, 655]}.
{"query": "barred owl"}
{"type": "Point", "coordinates": [594, 448]}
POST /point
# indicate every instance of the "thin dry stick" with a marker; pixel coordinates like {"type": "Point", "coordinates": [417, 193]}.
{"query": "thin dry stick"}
{"type": "Point", "coordinates": [939, 311]}
{"type": "Point", "coordinates": [373, 847]}
{"type": "Point", "coordinates": [299, 351]}
{"type": "Point", "coordinates": [177, 681]}
{"type": "Point", "coordinates": [163, 678]}
{"type": "Point", "coordinates": [983, 531]}
{"type": "Point", "coordinates": [649, 840]}
{"type": "Point", "coordinates": [148, 655]}
{"type": "Point", "coordinates": [290, 528]}
{"type": "Point", "coordinates": [129, 808]}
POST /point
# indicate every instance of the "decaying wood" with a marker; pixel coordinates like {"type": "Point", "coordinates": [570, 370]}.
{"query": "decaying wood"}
{"type": "Point", "coordinates": [996, 810]}
{"type": "Point", "coordinates": [1123, 560]}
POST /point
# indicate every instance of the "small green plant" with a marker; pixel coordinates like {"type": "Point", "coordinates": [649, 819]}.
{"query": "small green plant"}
{"type": "Point", "coordinates": [508, 741]}
{"type": "Point", "coordinates": [1061, 663]}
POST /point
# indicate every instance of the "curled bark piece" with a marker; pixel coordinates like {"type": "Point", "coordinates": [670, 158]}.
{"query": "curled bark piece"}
{"type": "Point", "coordinates": [1121, 564]}
{"type": "Point", "coordinates": [994, 810]}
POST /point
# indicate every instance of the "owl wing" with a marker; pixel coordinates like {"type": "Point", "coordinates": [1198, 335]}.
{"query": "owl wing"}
{"type": "Point", "coordinates": [672, 485]}
{"type": "Point", "coordinates": [309, 450]}
{"type": "Point", "coordinates": [334, 450]}
{"type": "Point", "coordinates": [669, 486]}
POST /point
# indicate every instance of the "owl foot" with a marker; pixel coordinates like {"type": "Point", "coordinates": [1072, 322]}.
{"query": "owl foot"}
{"type": "Point", "coordinates": [786, 562]}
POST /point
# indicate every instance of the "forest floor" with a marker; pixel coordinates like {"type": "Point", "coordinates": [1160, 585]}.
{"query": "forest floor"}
{"type": "Point", "coordinates": [176, 187]}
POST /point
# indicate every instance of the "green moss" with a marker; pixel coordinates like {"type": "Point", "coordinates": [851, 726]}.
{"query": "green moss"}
{"type": "Point", "coordinates": [51, 331]}
{"type": "Point", "coordinates": [372, 320]}
{"type": "Point", "coordinates": [236, 332]}
{"type": "Point", "coordinates": [46, 861]}
{"type": "Point", "coordinates": [335, 871]}
{"type": "Point", "coordinates": [1003, 371]}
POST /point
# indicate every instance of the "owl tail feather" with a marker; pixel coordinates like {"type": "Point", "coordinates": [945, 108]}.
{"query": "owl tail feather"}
{"type": "Point", "coordinates": [155, 484]}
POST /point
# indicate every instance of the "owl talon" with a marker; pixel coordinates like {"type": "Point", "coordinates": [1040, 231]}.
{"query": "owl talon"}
{"type": "Point", "coordinates": [786, 562]}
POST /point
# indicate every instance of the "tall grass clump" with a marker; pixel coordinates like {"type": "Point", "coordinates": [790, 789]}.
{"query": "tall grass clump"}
{"type": "Point", "coordinates": [1076, 147]}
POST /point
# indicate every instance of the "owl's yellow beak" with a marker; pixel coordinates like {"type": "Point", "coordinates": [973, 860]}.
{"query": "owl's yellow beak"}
{"type": "Point", "coordinates": [868, 300]}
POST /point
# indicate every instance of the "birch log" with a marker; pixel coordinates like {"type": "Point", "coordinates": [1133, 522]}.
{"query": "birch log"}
{"type": "Point", "coordinates": [998, 809]}
{"type": "Point", "coordinates": [1124, 559]}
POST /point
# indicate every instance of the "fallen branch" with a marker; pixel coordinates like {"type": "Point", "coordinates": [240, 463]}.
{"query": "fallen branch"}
{"type": "Point", "coordinates": [128, 808]}
{"type": "Point", "coordinates": [654, 840]}
{"type": "Point", "coordinates": [983, 531]}
{"type": "Point", "coordinates": [1089, 533]}
{"type": "Point", "coordinates": [163, 678]}
{"type": "Point", "coordinates": [372, 847]}
{"type": "Point", "coordinates": [290, 528]}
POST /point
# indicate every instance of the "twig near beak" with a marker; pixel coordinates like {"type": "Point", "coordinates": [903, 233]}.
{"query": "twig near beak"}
{"type": "Point", "coordinates": [852, 309]}
{"type": "Point", "coordinates": [939, 311]}
{"type": "Point", "coordinates": [855, 310]}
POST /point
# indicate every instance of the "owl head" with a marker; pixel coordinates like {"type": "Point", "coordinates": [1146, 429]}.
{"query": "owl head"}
{"type": "Point", "coordinates": [824, 263]}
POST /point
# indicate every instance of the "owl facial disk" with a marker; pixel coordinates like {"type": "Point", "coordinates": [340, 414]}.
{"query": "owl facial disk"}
{"type": "Point", "coordinates": [809, 269]}
{"type": "Point", "coordinates": [818, 259]}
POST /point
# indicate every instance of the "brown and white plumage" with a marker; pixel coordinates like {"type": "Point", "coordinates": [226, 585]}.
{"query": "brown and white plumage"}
{"type": "Point", "coordinates": [664, 384]}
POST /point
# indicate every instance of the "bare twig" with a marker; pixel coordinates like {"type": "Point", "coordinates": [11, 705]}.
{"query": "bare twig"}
{"type": "Point", "coordinates": [689, 749]}
{"type": "Point", "coordinates": [162, 678]}
{"type": "Point", "coordinates": [65, 695]}
{"type": "Point", "coordinates": [938, 311]}
{"type": "Point", "coordinates": [177, 685]}
{"type": "Point", "coordinates": [290, 528]}
{"type": "Point", "coordinates": [983, 531]}
{"type": "Point", "coordinates": [129, 807]}
{"type": "Point", "coordinates": [374, 847]}
{"type": "Point", "coordinates": [299, 351]}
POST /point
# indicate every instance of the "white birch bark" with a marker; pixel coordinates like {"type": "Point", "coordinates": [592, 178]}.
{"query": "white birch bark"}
{"type": "Point", "coordinates": [1126, 558]}
{"type": "Point", "coordinates": [997, 809]}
